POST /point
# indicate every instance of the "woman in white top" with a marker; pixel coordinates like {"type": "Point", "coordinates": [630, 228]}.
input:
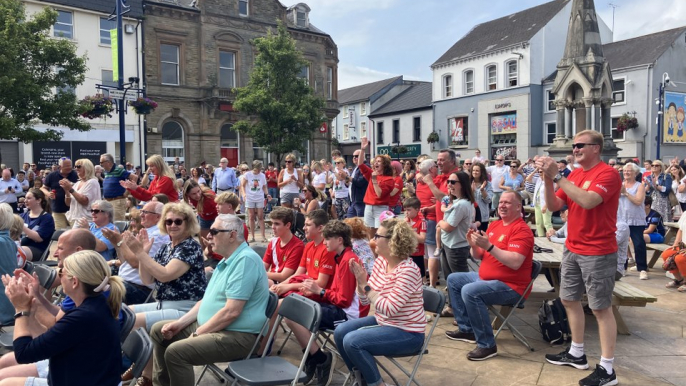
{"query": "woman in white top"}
{"type": "Point", "coordinates": [632, 212]}
{"type": "Point", "coordinates": [290, 182]}
{"type": "Point", "coordinates": [340, 182]}
{"type": "Point", "coordinates": [196, 174]}
{"type": "Point", "coordinates": [83, 193]}
{"type": "Point", "coordinates": [319, 180]}
{"type": "Point", "coordinates": [679, 185]}
{"type": "Point", "coordinates": [254, 187]}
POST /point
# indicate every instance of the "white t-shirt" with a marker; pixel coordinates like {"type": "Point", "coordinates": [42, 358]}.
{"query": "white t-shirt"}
{"type": "Point", "coordinates": [320, 179]}
{"type": "Point", "coordinates": [90, 189]}
{"type": "Point", "coordinates": [680, 196]}
{"type": "Point", "coordinates": [339, 187]}
{"type": "Point", "coordinates": [497, 174]}
{"type": "Point", "coordinates": [254, 184]}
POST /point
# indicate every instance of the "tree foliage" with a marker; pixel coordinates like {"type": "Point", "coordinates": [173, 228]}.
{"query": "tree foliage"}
{"type": "Point", "coordinates": [282, 110]}
{"type": "Point", "coordinates": [34, 65]}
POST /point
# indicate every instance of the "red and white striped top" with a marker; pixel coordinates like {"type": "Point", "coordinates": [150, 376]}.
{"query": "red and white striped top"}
{"type": "Point", "coordinates": [400, 302]}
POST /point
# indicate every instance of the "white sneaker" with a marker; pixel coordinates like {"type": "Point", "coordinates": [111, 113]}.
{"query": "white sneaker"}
{"type": "Point", "coordinates": [633, 269]}
{"type": "Point", "coordinates": [670, 275]}
{"type": "Point", "coordinates": [643, 275]}
{"type": "Point", "coordinates": [631, 261]}
{"type": "Point", "coordinates": [428, 318]}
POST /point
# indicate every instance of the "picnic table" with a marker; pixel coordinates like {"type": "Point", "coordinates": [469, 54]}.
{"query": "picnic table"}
{"type": "Point", "coordinates": [624, 294]}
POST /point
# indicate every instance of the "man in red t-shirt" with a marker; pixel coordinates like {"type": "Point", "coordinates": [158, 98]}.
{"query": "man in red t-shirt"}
{"type": "Point", "coordinates": [272, 183]}
{"type": "Point", "coordinates": [589, 261]}
{"type": "Point", "coordinates": [284, 251]}
{"type": "Point", "coordinates": [506, 253]}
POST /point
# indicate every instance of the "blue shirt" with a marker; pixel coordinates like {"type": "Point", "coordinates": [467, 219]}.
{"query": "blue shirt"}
{"type": "Point", "coordinates": [110, 184]}
{"type": "Point", "coordinates": [108, 254]}
{"type": "Point", "coordinates": [224, 179]}
{"type": "Point", "coordinates": [240, 276]}
{"type": "Point", "coordinates": [52, 181]}
{"type": "Point", "coordinates": [654, 218]}
{"type": "Point", "coordinates": [8, 263]}
{"type": "Point", "coordinates": [44, 224]}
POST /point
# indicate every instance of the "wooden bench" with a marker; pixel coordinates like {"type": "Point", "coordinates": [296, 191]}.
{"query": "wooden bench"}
{"type": "Point", "coordinates": [627, 295]}
{"type": "Point", "coordinates": [657, 252]}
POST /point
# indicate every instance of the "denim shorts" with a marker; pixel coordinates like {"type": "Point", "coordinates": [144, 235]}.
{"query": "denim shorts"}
{"type": "Point", "coordinates": [289, 197]}
{"type": "Point", "coordinates": [430, 232]}
{"type": "Point", "coordinates": [205, 224]}
{"type": "Point", "coordinates": [163, 310]}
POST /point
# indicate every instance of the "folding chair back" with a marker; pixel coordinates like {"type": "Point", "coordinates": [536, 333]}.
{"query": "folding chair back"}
{"type": "Point", "coordinates": [53, 239]}
{"type": "Point", "coordinates": [122, 226]}
{"type": "Point", "coordinates": [129, 321]}
{"type": "Point", "coordinates": [138, 347]}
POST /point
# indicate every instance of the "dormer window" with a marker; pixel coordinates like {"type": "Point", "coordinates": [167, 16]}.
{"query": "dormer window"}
{"type": "Point", "coordinates": [299, 13]}
{"type": "Point", "coordinates": [301, 19]}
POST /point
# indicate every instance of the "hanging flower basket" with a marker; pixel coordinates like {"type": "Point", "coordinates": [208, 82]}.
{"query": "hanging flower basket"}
{"type": "Point", "coordinates": [626, 122]}
{"type": "Point", "coordinates": [96, 106]}
{"type": "Point", "coordinates": [143, 106]}
{"type": "Point", "coordinates": [433, 137]}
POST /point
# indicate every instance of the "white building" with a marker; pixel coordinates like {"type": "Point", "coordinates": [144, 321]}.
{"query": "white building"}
{"type": "Point", "coordinates": [85, 22]}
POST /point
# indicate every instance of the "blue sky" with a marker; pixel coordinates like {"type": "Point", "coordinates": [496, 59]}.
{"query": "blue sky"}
{"type": "Point", "coordinates": [379, 39]}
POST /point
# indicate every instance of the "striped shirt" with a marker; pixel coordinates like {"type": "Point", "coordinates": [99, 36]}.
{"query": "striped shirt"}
{"type": "Point", "coordinates": [400, 302]}
{"type": "Point", "coordinates": [530, 186]}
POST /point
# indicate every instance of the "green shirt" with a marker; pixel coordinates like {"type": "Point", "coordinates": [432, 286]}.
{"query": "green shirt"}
{"type": "Point", "coordinates": [240, 276]}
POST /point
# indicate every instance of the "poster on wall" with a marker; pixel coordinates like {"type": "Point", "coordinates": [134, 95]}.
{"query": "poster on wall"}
{"type": "Point", "coordinates": [89, 150]}
{"type": "Point", "coordinates": [675, 108]}
{"type": "Point", "coordinates": [504, 124]}
{"type": "Point", "coordinates": [508, 152]}
{"type": "Point", "coordinates": [46, 154]}
{"type": "Point", "coordinates": [458, 131]}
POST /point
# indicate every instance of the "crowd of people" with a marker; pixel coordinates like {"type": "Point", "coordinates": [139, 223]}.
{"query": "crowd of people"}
{"type": "Point", "coordinates": [374, 232]}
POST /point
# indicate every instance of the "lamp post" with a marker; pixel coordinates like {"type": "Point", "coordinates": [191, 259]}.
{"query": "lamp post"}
{"type": "Point", "coordinates": [661, 113]}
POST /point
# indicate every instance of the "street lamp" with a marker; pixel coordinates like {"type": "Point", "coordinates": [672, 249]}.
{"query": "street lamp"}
{"type": "Point", "coordinates": [660, 111]}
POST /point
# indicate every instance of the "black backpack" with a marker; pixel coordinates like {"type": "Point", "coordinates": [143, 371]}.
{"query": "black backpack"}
{"type": "Point", "coordinates": [552, 319]}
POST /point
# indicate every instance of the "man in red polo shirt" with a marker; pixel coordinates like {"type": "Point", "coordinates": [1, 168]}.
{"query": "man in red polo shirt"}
{"type": "Point", "coordinates": [591, 192]}
{"type": "Point", "coordinates": [284, 251]}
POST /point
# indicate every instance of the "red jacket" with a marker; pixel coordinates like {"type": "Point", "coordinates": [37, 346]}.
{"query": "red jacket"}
{"type": "Point", "coordinates": [161, 184]}
{"type": "Point", "coordinates": [342, 292]}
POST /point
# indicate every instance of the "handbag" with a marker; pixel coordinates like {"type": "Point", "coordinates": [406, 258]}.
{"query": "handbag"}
{"type": "Point", "coordinates": [672, 199]}
{"type": "Point", "coordinates": [670, 262]}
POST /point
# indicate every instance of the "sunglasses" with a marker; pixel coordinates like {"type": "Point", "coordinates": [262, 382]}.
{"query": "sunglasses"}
{"type": "Point", "coordinates": [453, 182]}
{"type": "Point", "coordinates": [148, 212]}
{"type": "Point", "coordinates": [78, 166]}
{"type": "Point", "coordinates": [215, 232]}
{"type": "Point", "coordinates": [581, 145]}
{"type": "Point", "coordinates": [96, 211]}
{"type": "Point", "coordinates": [376, 236]}
{"type": "Point", "coordinates": [340, 162]}
{"type": "Point", "coordinates": [356, 156]}
{"type": "Point", "coordinates": [499, 160]}
{"type": "Point", "coordinates": [659, 166]}
{"type": "Point", "coordinates": [289, 162]}
{"type": "Point", "coordinates": [33, 165]}
{"type": "Point", "coordinates": [467, 163]}
{"type": "Point", "coordinates": [176, 222]}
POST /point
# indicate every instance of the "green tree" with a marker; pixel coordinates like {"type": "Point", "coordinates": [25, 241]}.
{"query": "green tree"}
{"type": "Point", "coordinates": [34, 65]}
{"type": "Point", "coordinates": [282, 110]}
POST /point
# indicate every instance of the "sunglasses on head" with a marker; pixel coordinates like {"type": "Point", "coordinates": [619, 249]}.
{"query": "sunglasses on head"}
{"type": "Point", "coordinates": [581, 145]}
{"type": "Point", "coordinates": [215, 232]}
{"type": "Point", "coordinates": [176, 222]}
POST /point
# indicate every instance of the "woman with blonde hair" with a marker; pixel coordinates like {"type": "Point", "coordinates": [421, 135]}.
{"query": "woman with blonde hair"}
{"type": "Point", "coordinates": [290, 181]}
{"type": "Point", "coordinates": [395, 289]}
{"type": "Point", "coordinates": [163, 182]}
{"type": "Point", "coordinates": [659, 184]}
{"type": "Point", "coordinates": [83, 347]}
{"type": "Point", "coordinates": [81, 195]}
{"type": "Point", "coordinates": [23, 253]}
{"type": "Point", "coordinates": [201, 198]}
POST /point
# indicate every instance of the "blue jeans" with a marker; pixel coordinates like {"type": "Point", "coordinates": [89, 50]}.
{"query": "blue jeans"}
{"type": "Point", "coordinates": [636, 234]}
{"type": "Point", "coordinates": [274, 192]}
{"type": "Point", "coordinates": [360, 340]}
{"type": "Point", "coordinates": [469, 297]}
{"type": "Point", "coordinates": [356, 209]}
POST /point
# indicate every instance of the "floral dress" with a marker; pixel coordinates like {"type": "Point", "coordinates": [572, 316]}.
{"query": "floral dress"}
{"type": "Point", "coordinates": [189, 286]}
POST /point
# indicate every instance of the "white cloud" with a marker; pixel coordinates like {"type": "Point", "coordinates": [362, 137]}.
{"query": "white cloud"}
{"type": "Point", "coordinates": [637, 17]}
{"type": "Point", "coordinates": [351, 75]}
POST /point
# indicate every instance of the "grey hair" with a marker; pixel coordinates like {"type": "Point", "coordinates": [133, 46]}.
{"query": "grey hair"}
{"type": "Point", "coordinates": [108, 157]}
{"type": "Point", "coordinates": [633, 167]}
{"type": "Point", "coordinates": [106, 207]}
{"type": "Point", "coordinates": [233, 222]}
{"type": "Point", "coordinates": [6, 217]}
{"type": "Point", "coordinates": [426, 165]}
{"type": "Point", "coordinates": [157, 207]}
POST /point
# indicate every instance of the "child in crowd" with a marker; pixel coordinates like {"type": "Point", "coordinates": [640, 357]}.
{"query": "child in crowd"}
{"type": "Point", "coordinates": [446, 208]}
{"type": "Point", "coordinates": [284, 251]}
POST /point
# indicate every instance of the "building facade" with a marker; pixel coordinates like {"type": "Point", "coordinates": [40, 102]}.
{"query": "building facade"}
{"type": "Point", "coordinates": [196, 53]}
{"type": "Point", "coordinates": [87, 24]}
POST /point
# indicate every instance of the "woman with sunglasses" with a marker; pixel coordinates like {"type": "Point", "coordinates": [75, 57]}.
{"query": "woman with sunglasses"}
{"type": "Point", "coordinates": [38, 223]}
{"type": "Point", "coordinates": [102, 213]}
{"type": "Point", "coordinates": [83, 346]}
{"type": "Point", "coordinates": [290, 182]}
{"type": "Point", "coordinates": [341, 184]}
{"type": "Point", "coordinates": [163, 182]}
{"type": "Point", "coordinates": [201, 198]}
{"type": "Point", "coordinates": [679, 184]}
{"type": "Point", "coordinates": [659, 184]}
{"type": "Point", "coordinates": [81, 195]}
{"type": "Point", "coordinates": [456, 223]}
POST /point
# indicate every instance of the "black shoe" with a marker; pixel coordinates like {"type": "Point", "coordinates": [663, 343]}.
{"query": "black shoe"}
{"type": "Point", "coordinates": [600, 378]}
{"type": "Point", "coordinates": [325, 370]}
{"type": "Point", "coordinates": [310, 370]}
{"type": "Point", "coordinates": [481, 353]}
{"type": "Point", "coordinates": [461, 336]}
{"type": "Point", "coordinates": [565, 359]}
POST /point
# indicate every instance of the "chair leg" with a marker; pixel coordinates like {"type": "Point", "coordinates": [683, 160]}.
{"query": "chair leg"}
{"type": "Point", "coordinates": [395, 381]}
{"type": "Point", "coordinates": [283, 344]}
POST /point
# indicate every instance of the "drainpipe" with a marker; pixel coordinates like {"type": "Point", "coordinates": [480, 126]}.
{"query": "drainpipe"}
{"type": "Point", "coordinates": [649, 109]}
{"type": "Point", "coordinates": [143, 85]}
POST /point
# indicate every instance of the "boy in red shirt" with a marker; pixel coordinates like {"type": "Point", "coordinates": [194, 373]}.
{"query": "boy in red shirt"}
{"type": "Point", "coordinates": [284, 251]}
{"type": "Point", "coordinates": [417, 222]}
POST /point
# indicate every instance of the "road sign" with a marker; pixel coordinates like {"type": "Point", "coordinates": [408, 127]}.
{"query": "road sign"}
{"type": "Point", "coordinates": [119, 94]}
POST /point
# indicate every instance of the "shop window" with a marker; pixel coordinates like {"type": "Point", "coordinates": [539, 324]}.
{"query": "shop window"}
{"type": "Point", "coordinates": [229, 137]}
{"type": "Point", "coordinates": [550, 132]}
{"type": "Point", "coordinates": [459, 131]}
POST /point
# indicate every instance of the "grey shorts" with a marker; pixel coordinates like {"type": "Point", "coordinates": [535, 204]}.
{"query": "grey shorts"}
{"type": "Point", "coordinates": [289, 197]}
{"type": "Point", "coordinates": [254, 204]}
{"type": "Point", "coordinates": [42, 369]}
{"type": "Point", "coordinates": [594, 275]}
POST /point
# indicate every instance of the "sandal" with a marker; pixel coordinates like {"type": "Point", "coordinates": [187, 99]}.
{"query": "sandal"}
{"type": "Point", "coordinates": [447, 312]}
{"type": "Point", "coordinates": [675, 283]}
{"type": "Point", "coordinates": [682, 288]}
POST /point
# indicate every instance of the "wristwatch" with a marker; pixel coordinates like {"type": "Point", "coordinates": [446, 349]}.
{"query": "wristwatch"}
{"type": "Point", "coordinates": [20, 314]}
{"type": "Point", "coordinates": [557, 177]}
{"type": "Point", "coordinates": [367, 289]}
{"type": "Point", "coordinates": [322, 292]}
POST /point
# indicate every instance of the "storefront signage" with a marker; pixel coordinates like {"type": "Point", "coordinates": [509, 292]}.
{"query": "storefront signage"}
{"type": "Point", "coordinates": [504, 124]}
{"type": "Point", "coordinates": [413, 151]}
{"type": "Point", "coordinates": [46, 154]}
{"type": "Point", "coordinates": [457, 131]}
{"type": "Point", "coordinates": [508, 152]}
{"type": "Point", "coordinates": [503, 105]}
{"type": "Point", "coordinates": [351, 114]}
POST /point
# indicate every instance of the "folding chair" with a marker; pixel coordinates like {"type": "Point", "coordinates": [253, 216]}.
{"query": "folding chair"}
{"type": "Point", "coordinates": [122, 226]}
{"type": "Point", "coordinates": [434, 301]}
{"type": "Point", "coordinates": [221, 376]}
{"type": "Point", "coordinates": [266, 370]}
{"type": "Point", "coordinates": [53, 239]}
{"type": "Point", "coordinates": [509, 309]}
{"type": "Point", "coordinates": [138, 347]}
{"type": "Point", "coordinates": [129, 321]}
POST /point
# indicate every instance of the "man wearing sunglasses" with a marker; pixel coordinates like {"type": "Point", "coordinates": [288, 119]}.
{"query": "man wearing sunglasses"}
{"type": "Point", "coordinates": [223, 325]}
{"type": "Point", "coordinates": [589, 261]}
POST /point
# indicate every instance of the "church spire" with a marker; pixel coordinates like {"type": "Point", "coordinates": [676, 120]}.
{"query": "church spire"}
{"type": "Point", "coordinates": [583, 36]}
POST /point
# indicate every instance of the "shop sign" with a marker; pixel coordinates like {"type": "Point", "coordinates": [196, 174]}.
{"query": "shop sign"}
{"type": "Point", "coordinates": [503, 105]}
{"type": "Point", "coordinates": [508, 152]}
{"type": "Point", "coordinates": [413, 151]}
{"type": "Point", "coordinates": [504, 124]}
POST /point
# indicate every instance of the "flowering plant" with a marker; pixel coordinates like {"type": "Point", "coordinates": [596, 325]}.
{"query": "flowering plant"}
{"type": "Point", "coordinates": [433, 137]}
{"type": "Point", "coordinates": [143, 105]}
{"type": "Point", "coordinates": [626, 122]}
{"type": "Point", "coordinates": [96, 106]}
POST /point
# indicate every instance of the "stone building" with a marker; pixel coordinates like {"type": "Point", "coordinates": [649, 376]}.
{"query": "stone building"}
{"type": "Point", "coordinates": [197, 51]}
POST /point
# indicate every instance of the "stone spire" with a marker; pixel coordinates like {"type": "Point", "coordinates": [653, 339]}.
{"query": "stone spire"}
{"type": "Point", "coordinates": [583, 35]}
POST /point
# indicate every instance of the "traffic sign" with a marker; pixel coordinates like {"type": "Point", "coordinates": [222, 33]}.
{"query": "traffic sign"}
{"type": "Point", "coordinates": [119, 94]}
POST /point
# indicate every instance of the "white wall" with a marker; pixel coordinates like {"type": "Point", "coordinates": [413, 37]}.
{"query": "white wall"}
{"type": "Point", "coordinates": [407, 130]}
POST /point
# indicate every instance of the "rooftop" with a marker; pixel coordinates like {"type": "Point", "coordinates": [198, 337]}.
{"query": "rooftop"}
{"type": "Point", "coordinates": [104, 6]}
{"type": "Point", "coordinates": [417, 96]}
{"type": "Point", "coordinates": [363, 92]}
{"type": "Point", "coordinates": [640, 50]}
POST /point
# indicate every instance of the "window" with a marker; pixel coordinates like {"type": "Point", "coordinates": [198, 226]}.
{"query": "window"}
{"type": "Point", "coordinates": [227, 69]}
{"type": "Point", "coordinates": [379, 132]}
{"type": "Point", "coordinates": [169, 64]}
{"type": "Point", "coordinates": [363, 108]}
{"type": "Point", "coordinates": [396, 131]}
{"type": "Point", "coordinates": [618, 92]}
{"type": "Point", "coordinates": [105, 27]}
{"type": "Point", "coordinates": [64, 26]}
{"type": "Point", "coordinates": [550, 132]}
{"type": "Point", "coordinates": [243, 7]}
{"type": "Point", "coordinates": [259, 154]}
{"type": "Point", "coordinates": [363, 129]}
{"type": "Point", "coordinates": [329, 83]}
{"type": "Point", "coordinates": [491, 78]}
{"type": "Point", "coordinates": [616, 134]}
{"type": "Point", "coordinates": [107, 80]}
{"type": "Point", "coordinates": [172, 141]}
{"type": "Point", "coordinates": [469, 82]}
{"type": "Point", "coordinates": [550, 98]}
{"type": "Point", "coordinates": [512, 74]}
{"type": "Point", "coordinates": [301, 18]}
{"type": "Point", "coordinates": [66, 88]}
{"type": "Point", "coordinates": [345, 111]}
{"type": "Point", "coordinates": [305, 74]}
{"type": "Point", "coordinates": [447, 86]}
{"type": "Point", "coordinates": [346, 132]}
{"type": "Point", "coordinates": [417, 126]}
{"type": "Point", "coordinates": [229, 137]}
